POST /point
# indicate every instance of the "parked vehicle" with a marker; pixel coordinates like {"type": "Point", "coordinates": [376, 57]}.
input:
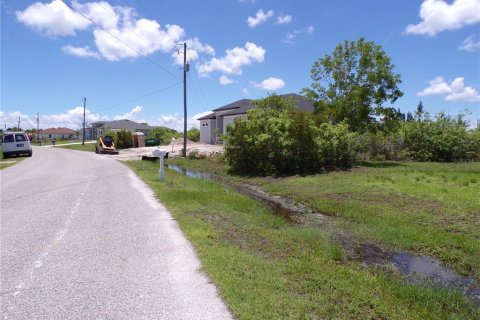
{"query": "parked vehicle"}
{"type": "Point", "coordinates": [16, 143]}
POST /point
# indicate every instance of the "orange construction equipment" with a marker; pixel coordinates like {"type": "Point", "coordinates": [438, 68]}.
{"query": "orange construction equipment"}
{"type": "Point", "coordinates": [106, 145]}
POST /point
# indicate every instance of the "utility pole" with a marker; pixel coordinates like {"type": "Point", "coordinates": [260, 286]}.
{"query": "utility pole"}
{"type": "Point", "coordinates": [38, 126]}
{"type": "Point", "coordinates": [18, 127]}
{"type": "Point", "coordinates": [84, 104]}
{"type": "Point", "coordinates": [185, 70]}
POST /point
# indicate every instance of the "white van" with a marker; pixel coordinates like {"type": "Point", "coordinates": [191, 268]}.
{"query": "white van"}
{"type": "Point", "coordinates": [16, 143]}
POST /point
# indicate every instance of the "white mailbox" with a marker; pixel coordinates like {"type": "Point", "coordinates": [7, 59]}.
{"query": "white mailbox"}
{"type": "Point", "coordinates": [160, 153]}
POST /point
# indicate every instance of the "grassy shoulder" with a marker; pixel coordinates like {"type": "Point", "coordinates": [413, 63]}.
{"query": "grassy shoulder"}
{"type": "Point", "coordinates": [90, 147]}
{"type": "Point", "coordinates": [268, 268]}
{"type": "Point", "coordinates": [424, 208]}
{"type": "Point", "coordinates": [5, 163]}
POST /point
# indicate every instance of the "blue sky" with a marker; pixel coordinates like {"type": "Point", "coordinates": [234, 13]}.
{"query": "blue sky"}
{"type": "Point", "coordinates": [51, 56]}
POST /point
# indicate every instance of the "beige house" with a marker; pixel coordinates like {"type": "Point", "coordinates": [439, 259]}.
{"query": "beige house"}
{"type": "Point", "coordinates": [57, 134]}
{"type": "Point", "coordinates": [215, 123]}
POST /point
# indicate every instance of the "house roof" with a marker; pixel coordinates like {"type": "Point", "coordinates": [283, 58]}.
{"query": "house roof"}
{"type": "Point", "coordinates": [123, 124]}
{"type": "Point", "coordinates": [242, 106]}
{"type": "Point", "coordinates": [208, 117]}
{"type": "Point", "coordinates": [57, 131]}
{"type": "Point", "coordinates": [234, 105]}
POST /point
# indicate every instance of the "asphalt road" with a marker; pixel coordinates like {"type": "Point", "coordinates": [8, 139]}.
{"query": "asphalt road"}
{"type": "Point", "coordinates": [83, 238]}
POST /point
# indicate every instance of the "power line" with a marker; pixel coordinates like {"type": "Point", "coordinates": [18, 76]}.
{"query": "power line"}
{"type": "Point", "coordinates": [198, 93]}
{"type": "Point", "coordinates": [121, 41]}
{"type": "Point", "coordinates": [116, 18]}
{"type": "Point", "coordinates": [140, 97]}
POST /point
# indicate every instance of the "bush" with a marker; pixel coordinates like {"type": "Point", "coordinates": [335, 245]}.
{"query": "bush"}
{"type": "Point", "coordinates": [164, 134]}
{"type": "Point", "coordinates": [193, 134]}
{"type": "Point", "coordinates": [276, 139]}
{"type": "Point", "coordinates": [443, 139]}
{"type": "Point", "coordinates": [123, 139]}
{"type": "Point", "coordinates": [381, 146]}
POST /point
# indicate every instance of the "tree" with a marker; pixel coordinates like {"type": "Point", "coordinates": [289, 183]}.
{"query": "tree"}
{"type": "Point", "coordinates": [349, 82]}
{"type": "Point", "coordinates": [193, 134]}
{"type": "Point", "coordinates": [164, 134]}
{"type": "Point", "coordinates": [419, 111]}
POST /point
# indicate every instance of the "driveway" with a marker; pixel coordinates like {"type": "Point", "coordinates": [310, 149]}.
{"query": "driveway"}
{"type": "Point", "coordinates": [83, 238]}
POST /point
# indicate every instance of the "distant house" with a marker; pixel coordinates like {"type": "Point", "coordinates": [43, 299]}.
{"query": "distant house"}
{"type": "Point", "coordinates": [216, 122]}
{"type": "Point", "coordinates": [57, 133]}
{"type": "Point", "coordinates": [100, 127]}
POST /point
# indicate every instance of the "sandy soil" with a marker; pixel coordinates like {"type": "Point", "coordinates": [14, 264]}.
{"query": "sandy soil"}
{"type": "Point", "coordinates": [173, 151]}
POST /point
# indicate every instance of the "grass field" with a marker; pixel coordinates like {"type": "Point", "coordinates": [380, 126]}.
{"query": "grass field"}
{"type": "Point", "coordinates": [269, 268]}
{"type": "Point", "coordinates": [5, 163]}
{"type": "Point", "coordinates": [90, 147]}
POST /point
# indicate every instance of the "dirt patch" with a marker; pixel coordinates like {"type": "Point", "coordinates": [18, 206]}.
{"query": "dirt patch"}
{"type": "Point", "coordinates": [207, 150]}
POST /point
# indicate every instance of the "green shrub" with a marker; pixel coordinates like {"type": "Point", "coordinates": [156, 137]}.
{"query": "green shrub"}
{"type": "Point", "coordinates": [275, 138]}
{"type": "Point", "coordinates": [123, 139]}
{"type": "Point", "coordinates": [443, 139]}
{"type": "Point", "coordinates": [193, 134]}
{"type": "Point", "coordinates": [164, 134]}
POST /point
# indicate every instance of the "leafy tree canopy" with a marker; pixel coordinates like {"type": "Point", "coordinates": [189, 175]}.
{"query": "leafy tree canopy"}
{"type": "Point", "coordinates": [193, 134]}
{"type": "Point", "coordinates": [352, 85]}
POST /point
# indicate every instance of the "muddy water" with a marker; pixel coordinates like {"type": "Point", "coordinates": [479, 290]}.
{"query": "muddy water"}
{"type": "Point", "coordinates": [280, 206]}
{"type": "Point", "coordinates": [415, 269]}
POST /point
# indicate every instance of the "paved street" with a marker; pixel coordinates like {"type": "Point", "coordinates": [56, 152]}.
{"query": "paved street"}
{"type": "Point", "coordinates": [83, 238]}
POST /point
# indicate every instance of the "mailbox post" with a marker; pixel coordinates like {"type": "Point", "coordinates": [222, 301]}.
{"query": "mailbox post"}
{"type": "Point", "coordinates": [160, 153]}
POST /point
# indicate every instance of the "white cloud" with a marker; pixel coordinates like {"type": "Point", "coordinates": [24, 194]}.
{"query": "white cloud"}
{"type": "Point", "coordinates": [145, 36]}
{"type": "Point", "coordinates": [72, 118]}
{"type": "Point", "coordinates": [284, 19]}
{"type": "Point", "coordinates": [270, 84]}
{"type": "Point", "coordinates": [292, 35]}
{"type": "Point", "coordinates": [175, 122]}
{"type": "Point", "coordinates": [52, 19]}
{"type": "Point", "coordinates": [260, 17]}
{"type": "Point", "coordinates": [142, 36]}
{"type": "Point", "coordinates": [234, 60]}
{"type": "Point", "coordinates": [101, 12]}
{"type": "Point", "coordinates": [10, 119]}
{"type": "Point", "coordinates": [224, 80]}
{"type": "Point", "coordinates": [82, 52]}
{"type": "Point", "coordinates": [455, 91]}
{"type": "Point", "coordinates": [469, 44]}
{"type": "Point", "coordinates": [131, 115]}
{"type": "Point", "coordinates": [194, 47]}
{"type": "Point", "coordinates": [438, 16]}
{"type": "Point", "coordinates": [245, 91]}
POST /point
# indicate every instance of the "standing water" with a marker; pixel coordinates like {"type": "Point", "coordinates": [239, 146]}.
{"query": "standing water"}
{"type": "Point", "coordinates": [416, 269]}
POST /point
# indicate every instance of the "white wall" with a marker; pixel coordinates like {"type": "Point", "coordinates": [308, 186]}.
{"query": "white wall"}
{"type": "Point", "coordinates": [45, 136]}
{"type": "Point", "coordinates": [207, 130]}
{"type": "Point", "coordinates": [228, 120]}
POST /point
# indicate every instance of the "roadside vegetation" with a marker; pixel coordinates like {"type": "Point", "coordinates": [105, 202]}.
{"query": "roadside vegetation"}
{"type": "Point", "coordinates": [5, 163]}
{"type": "Point", "coordinates": [90, 147]}
{"type": "Point", "coordinates": [269, 267]}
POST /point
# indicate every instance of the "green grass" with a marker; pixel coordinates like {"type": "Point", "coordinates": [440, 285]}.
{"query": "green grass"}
{"type": "Point", "coordinates": [90, 147]}
{"type": "Point", "coordinates": [268, 268]}
{"type": "Point", "coordinates": [424, 208]}
{"type": "Point", "coordinates": [5, 163]}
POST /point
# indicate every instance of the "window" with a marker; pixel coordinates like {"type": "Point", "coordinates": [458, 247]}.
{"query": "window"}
{"type": "Point", "coordinates": [20, 137]}
{"type": "Point", "coordinates": [8, 138]}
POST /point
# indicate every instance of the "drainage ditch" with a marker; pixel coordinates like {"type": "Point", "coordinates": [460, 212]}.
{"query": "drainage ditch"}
{"type": "Point", "coordinates": [414, 268]}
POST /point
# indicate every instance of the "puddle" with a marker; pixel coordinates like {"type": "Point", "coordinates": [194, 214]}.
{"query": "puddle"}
{"type": "Point", "coordinates": [191, 173]}
{"type": "Point", "coordinates": [415, 269]}
{"type": "Point", "coordinates": [419, 269]}
{"type": "Point", "coordinates": [280, 206]}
